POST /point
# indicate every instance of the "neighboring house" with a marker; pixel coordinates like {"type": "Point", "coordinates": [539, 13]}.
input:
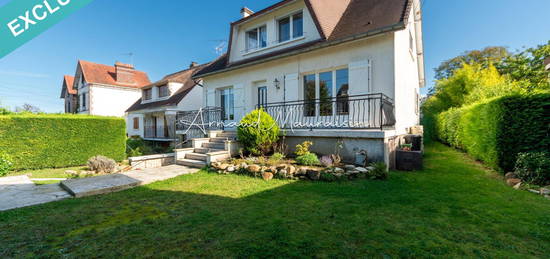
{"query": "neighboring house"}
{"type": "Point", "coordinates": [103, 90]}
{"type": "Point", "coordinates": [345, 71]}
{"type": "Point", "coordinates": [547, 63]}
{"type": "Point", "coordinates": [153, 116]}
{"type": "Point", "coordinates": [69, 94]}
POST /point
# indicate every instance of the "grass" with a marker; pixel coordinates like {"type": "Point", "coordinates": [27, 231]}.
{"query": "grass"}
{"type": "Point", "coordinates": [49, 172]}
{"type": "Point", "coordinates": [452, 208]}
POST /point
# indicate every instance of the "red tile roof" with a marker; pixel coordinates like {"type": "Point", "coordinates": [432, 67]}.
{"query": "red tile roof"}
{"type": "Point", "coordinates": [67, 85]}
{"type": "Point", "coordinates": [104, 74]}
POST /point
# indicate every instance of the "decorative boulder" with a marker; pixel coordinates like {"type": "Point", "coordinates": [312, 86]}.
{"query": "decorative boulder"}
{"type": "Point", "coordinates": [283, 173]}
{"type": "Point", "coordinates": [338, 170]}
{"type": "Point", "coordinates": [244, 165]}
{"type": "Point", "coordinates": [223, 166]}
{"type": "Point", "coordinates": [513, 181]}
{"type": "Point", "coordinates": [349, 167]}
{"type": "Point", "coordinates": [313, 174]}
{"type": "Point", "coordinates": [231, 169]}
{"type": "Point", "coordinates": [362, 170]}
{"type": "Point", "coordinates": [281, 166]}
{"type": "Point", "coordinates": [254, 168]}
{"type": "Point", "coordinates": [510, 175]}
{"type": "Point", "coordinates": [267, 176]}
{"type": "Point", "coordinates": [302, 170]}
{"type": "Point", "coordinates": [291, 170]}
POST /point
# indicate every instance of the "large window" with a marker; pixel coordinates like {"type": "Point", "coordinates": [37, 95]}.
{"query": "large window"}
{"type": "Point", "coordinates": [227, 103]}
{"type": "Point", "coordinates": [256, 38]}
{"type": "Point", "coordinates": [164, 91]}
{"type": "Point", "coordinates": [328, 95]}
{"type": "Point", "coordinates": [291, 27]}
{"type": "Point", "coordinates": [147, 94]}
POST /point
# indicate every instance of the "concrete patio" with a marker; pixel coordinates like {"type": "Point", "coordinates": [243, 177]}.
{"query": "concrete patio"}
{"type": "Point", "coordinates": [20, 191]}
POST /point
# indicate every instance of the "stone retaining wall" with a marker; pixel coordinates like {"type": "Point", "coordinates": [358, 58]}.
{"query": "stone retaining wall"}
{"type": "Point", "coordinates": [152, 161]}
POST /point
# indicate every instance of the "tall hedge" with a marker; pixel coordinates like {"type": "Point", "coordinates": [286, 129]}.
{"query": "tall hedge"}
{"type": "Point", "coordinates": [48, 141]}
{"type": "Point", "coordinates": [495, 131]}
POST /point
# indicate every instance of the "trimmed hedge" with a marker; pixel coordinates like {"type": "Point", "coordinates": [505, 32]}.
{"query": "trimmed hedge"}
{"type": "Point", "coordinates": [495, 131]}
{"type": "Point", "coordinates": [50, 141]}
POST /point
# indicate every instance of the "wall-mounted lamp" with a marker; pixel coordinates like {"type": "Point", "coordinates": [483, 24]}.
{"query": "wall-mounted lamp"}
{"type": "Point", "coordinates": [277, 83]}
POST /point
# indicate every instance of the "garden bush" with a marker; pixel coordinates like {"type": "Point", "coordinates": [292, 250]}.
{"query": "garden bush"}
{"type": "Point", "coordinates": [533, 167]}
{"type": "Point", "coordinates": [101, 164]}
{"type": "Point", "coordinates": [53, 141]}
{"type": "Point", "coordinates": [379, 171]}
{"type": "Point", "coordinates": [5, 164]}
{"type": "Point", "coordinates": [258, 132]}
{"type": "Point", "coordinates": [307, 159]}
{"type": "Point", "coordinates": [496, 130]}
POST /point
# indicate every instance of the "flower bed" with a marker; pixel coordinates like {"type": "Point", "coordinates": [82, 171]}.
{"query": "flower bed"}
{"type": "Point", "coordinates": [288, 169]}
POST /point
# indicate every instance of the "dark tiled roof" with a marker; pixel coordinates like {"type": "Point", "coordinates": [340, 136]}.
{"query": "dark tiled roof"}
{"type": "Point", "coordinates": [184, 76]}
{"type": "Point", "coordinates": [336, 21]}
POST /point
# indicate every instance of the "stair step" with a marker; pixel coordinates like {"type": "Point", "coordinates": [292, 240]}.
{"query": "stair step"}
{"type": "Point", "coordinates": [214, 145]}
{"type": "Point", "coordinates": [220, 139]}
{"type": "Point", "coordinates": [191, 163]}
{"type": "Point", "coordinates": [227, 134]}
{"type": "Point", "coordinates": [204, 150]}
{"type": "Point", "coordinates": [196, 156]}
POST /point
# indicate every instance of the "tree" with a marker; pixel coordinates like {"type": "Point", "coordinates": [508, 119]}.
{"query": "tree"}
{"type": "Point", "coordinates": [485, 57]}
{"type": "Point", "coordinates": [28, 108]}
{"type": "Point", "coordinates": [527, 67]}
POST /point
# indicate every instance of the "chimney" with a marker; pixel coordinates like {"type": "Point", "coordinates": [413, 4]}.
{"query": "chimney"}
{"type": "Point", "coordinates": [124, 73]}
{"type": "Point", "coordinates": [245, 12]}
{"type": "Point", "coordinates": [193, 64]}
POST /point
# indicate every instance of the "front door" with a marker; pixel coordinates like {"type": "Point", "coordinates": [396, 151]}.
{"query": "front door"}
{"type": "Point", "coordinates": [227, 103]}
{"type": "Point", "coordinates": [262, 96]}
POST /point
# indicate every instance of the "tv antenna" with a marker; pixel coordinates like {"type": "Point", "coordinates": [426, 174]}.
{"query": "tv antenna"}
{"type": "Point", "coordinates": [131, 56]}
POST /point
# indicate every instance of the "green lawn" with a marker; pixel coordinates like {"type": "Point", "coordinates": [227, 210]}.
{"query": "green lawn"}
{"type": "Point", "coordinates": [49, 172]}
{"type": "Point", "coordinates": [453, 208]}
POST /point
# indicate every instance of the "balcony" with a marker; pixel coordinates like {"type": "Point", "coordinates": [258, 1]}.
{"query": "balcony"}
{"type": "Point", "coordinates": [160, 133]}
{"type": "Point", "coordinates": [369, 111]}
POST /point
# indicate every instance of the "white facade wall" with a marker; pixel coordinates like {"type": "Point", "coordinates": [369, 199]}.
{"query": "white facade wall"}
{"type": "Point", "coordinates": [192, 101]}
{"type": "Point", "coordinates": [238, 44]}
{"type": "Point", "coordinates": [378, 52]}
{"type": "Point", "coordinates": [407, 85]}
{"type": "Point", "coordinates": [130, 124]}
{"type": "Point", "coordinates": [111, 101]}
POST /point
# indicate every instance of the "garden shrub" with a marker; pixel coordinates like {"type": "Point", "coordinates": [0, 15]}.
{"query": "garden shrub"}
{"type": "Point", "coordinates": [307, 159]}
{"type": "Point", "coordinates": [277, 156]}
{"type": "Point", "coordinates": [533, 167]}
{"type": "Point", "coordinates": [258, 131]}
{"type": "Point", "coordinates": [496, 130]}
{"type": "Point", "coordinates": [60, 140]}
{"type": "Point", "coordinates": [379, 171]}
{"type": "Point", "coordinates": [302, 149]}
{"type": "Point", "coordinates": [101, 164]}
{"type": "Point", "coordinates": [5, 164]}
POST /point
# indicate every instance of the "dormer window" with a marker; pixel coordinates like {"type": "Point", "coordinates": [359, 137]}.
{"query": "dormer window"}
{"type": "Point", "coordinates": [291, 27]}
{"type": "Point", "coordinates": [256, 38]}
{"type": "Point", "coordinates": [163, 91]}
{"type": "Point", "coordinates": [147, 94]}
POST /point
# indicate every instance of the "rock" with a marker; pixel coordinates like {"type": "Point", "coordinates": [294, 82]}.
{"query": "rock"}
{"type": "Point", "coordinates": [313, 175]}
{"type": "Point", "coordinates": [370, 168]}
{"type": "Point", "coordinates": [544, 191]}
{"type": "Point", "coordinates": [283, 173]}
{"type": "Point", "coordinates": [339, 175]}
{"type": "Point", "coordinates": [71, 172]}
{"type": "Point", "coordinates": [291, 170]}
{"type": "Point", "coordinates": [513, 181]}
{"type": "Point", "coordinates": [533, 191]}
{"type": "Point", "coordinates": [244, 165]}
{"type": "Point", "coordinates": [267, 176]}
{"type": "Point", "coordinates": [231, 169]}
{"type": "Point", "coordinates": [215, 165]}
{"type": "Point", "coordinates": [263, 169]}
{"type": "Point", "coordinates": [362, 170]}
{"type": "Point", "coordinates": [349, 167]}
{"type": "Point", "coordinates": [517, 186]}
{"type": "Point", "coordinates": [254, 168]}
{"type": "Point", "coordinates": [281, 166]}
{"type": "Point", "coordinates": [510, 175]}
{"type": "Point", "coordinates": [302, 170]}
{"type": "Point", "coordinates": [223, 166]}
{"type": "Point", "coordinates": [352, 172]}
{"type": "Point", "coordinates": [338, 170]}
{"type": "Point", "coordinates": [272, 169]}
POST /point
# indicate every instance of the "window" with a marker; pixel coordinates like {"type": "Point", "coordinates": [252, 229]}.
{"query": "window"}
{"type": "Point", "coordinates": [147, 94]}
{"type": "Point", "coordinates": [256, 38]}
{"type": "Point", "coordinates": [291, 27]}
{"type": "Point", "coordinates": [227, 103]}
{"type": "Point", "coordinates": [83, 101]}
{"type": "Point", "coordinates": [309, 95]}
{"type": "Point", "coordinates": [164, 91]}
{"type": "Point", "coordinates": [136, 123]}
{"type": "Point", "coordinates": [342, 88]}
{"type": "Point", "coordinates": [331, 85]}
{"type": "Point", "coordinates": [262, 96]}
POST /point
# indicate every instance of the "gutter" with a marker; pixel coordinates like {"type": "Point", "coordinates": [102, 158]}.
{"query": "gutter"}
{"type": "Point", "coordinates": [372, 33]}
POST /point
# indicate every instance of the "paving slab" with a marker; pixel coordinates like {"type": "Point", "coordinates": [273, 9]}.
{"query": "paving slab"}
{"type": "Point", "coordinates": [117, 182]}
{"type": "Point", "coordinates": [20, 191]}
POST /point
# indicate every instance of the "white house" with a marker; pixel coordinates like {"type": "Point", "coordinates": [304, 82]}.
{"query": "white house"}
{"type": "Point", "coordinates": [344, 71]}
{"type": "Point", "coordinates": [98, 89]}
{"type": "Point", "coordinates": [152, 117]}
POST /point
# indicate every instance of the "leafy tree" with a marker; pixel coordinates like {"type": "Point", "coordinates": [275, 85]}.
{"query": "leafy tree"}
{"type": "Point", "coordinates": [28, 108]}
{"type": "Point", "coordinates": [527, 67]}
{"type": "Point", "coordinates": [4, 111]}
{"type": "Point", "coordinates": [485, 57]}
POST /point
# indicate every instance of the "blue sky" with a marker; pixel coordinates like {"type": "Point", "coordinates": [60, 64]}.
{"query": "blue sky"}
{"type": "Point", "coordinates": [165, 36]}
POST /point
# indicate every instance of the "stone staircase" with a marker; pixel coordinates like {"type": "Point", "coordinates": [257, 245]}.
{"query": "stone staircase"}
{"type": "Point", "coordinates": [220, 145]}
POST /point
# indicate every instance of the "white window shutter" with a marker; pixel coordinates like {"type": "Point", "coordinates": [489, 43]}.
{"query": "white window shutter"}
{"type": "Point", "coordinates": [292, 89]}
{"type": "Point", "coordinates": [238, 101]}
{"type": "Point", "coordinates": [211, 97]}
{"type": "Point", "coordinates": [360, 77]}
